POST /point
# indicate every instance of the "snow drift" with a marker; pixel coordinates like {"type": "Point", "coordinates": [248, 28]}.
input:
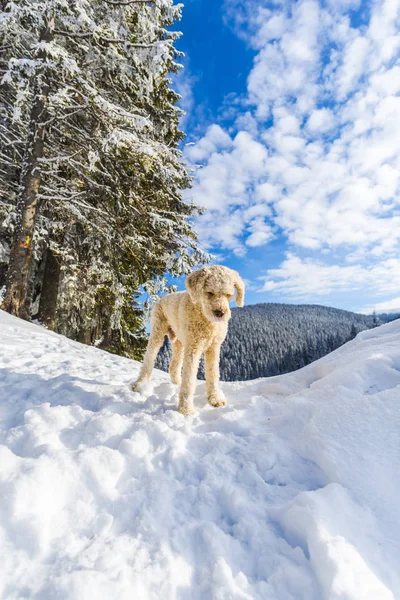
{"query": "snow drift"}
{"type": "Point", "coordinates": [291, 492]}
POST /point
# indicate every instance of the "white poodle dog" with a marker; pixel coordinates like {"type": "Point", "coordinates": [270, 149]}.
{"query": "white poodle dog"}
{"type": "Point", "coordinates": [196, 322]}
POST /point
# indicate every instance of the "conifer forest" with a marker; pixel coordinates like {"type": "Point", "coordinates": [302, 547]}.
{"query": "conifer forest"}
{"type": "Point", "coordinates": [271, 339]}
{"type": "Point", "coordinates": [91, 177]}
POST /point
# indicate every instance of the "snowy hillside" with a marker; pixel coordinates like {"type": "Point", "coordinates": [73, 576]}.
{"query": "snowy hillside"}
{"type": "Point", "coordinates": [291, 492]}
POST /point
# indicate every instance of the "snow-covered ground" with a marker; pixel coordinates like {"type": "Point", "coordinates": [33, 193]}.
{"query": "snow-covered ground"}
{"type": "Point", "coordinates": [290, 492]}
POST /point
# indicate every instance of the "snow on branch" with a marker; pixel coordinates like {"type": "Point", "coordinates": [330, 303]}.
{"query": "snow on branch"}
{"type": "Point", "coordinates": [128, 2]}
{"type": "Point", "coordinates": [93, 36]}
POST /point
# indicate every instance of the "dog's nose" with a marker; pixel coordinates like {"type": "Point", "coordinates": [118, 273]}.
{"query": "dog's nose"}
{"type": "Point", "coordinates": [219, 313]}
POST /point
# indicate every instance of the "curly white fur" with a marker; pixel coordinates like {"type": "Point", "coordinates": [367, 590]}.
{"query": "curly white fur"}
{"type": "Point", "coordinates": [196, 322]}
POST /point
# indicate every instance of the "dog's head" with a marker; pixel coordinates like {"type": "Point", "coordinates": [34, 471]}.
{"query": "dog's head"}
{"type": "Point", "coordinates": [213, 288]}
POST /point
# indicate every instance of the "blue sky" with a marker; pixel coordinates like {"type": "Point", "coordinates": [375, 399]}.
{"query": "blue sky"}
{"type": "Point", "coordinates": [293, 118]}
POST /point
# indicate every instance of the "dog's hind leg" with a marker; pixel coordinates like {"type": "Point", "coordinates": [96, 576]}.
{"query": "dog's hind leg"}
{"type": "Point", "coordinates": [175, 368]}
{"type": "Point", "coordinates": [215, 396]}
{"type": "Point", "coordinates": [159, 328]}
{"type": "Point", "coordinates": [191, 359]}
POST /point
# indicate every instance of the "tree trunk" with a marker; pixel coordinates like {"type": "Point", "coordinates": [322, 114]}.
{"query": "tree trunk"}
{"type": "Point", "coordinates": [48, 296]}
{"type": "Point", "coordinates": [16, 299]}
{"type": "Point", "coordinates": [84, 336]}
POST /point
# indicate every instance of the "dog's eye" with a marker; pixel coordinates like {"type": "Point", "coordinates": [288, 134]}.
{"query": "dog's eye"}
{"type": "Point", "coordinates": [229, 296]}
{"type": "Point", "coordinates": [210, 294]}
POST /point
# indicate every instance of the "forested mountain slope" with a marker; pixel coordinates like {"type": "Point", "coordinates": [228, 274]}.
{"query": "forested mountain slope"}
{"type": "Point", "coordinates": [388, 317]}
{"type": "Point", "coordinates": [271, 339]}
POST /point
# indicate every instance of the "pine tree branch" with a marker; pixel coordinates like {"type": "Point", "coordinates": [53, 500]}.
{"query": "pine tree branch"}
{"type": "Point", "coordinates": [128, 2]}
{"type": "Point", "coordinates": [58, 192]}
{"type": "Point", "coordinates": [93, 36]}
{"type": "Point", "coordinates": [7, 160]}
{"type": "Point", "coordinates": [47, 160]}
{"type": "Point", "coordinates": [56, 118]}
{"type": "Point", "coordinates": [9, 133]}
{"type": "Point", "coordinates": [72, 197]}
{"type": "Point", "coordinates": [74, 140]}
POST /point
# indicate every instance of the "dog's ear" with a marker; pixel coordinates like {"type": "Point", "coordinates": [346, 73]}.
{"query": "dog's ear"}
{"type": "Point", "coordinates": [239, 286]}
{"type": "Point", "coordinates": [195, 282]}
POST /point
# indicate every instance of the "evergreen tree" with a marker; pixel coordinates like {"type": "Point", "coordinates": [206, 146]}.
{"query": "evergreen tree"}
{"type": "Point", "coordinates": [99, 207]}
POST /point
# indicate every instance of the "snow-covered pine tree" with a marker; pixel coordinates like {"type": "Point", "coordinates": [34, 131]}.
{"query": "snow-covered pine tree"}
{"type": "Point", "coordinates": [12, 134]}
{"type": "Point", "coordinates": [100, 195]}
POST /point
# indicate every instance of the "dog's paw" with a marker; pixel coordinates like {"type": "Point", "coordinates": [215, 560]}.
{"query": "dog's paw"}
{"type": "Point", "coordinates": [138, 386]}
{"type": "Point", "coordinates": [186, 408]}
{"type": "Point", "coordinates": [217, 399]}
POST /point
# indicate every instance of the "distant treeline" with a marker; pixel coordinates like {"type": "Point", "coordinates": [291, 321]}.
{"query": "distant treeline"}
{"type": "Point", "coordinates": [387, 317]}
{"type": "Point", "coordinates": [270, 339]}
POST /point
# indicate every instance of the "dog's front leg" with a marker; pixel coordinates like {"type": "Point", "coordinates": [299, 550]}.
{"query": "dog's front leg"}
{"type": "Point", "coordinates": [215, 396]}
{"type": "Point", "coordinates": [191, 359]}
{"type": "Point", "coordinates": [175, 367]}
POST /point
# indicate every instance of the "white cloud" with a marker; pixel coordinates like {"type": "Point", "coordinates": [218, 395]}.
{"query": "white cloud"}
{"type": "Point", "coordinates": [319, 140]}
{"type": "Point", "coordinates": [267, 192]}
{"type": "Point", "coordinates": [321, 120]}
{"type": "Point", "coordinates": [339, 5]}
{"type": "Point", "coordinates": [353, 65]}
{"type": "Point", "coordinates": [389, 306]}
{"type": "Point", "coordinates": [228, 181]}
{"type": "Point", "coordinates": [308, 278]}
{"type": "Point", "coordinates": [215, 140]}
{"type": "Point", "coordinates": [261, 233]}
{"type": "Point", "coordinates": [223, 232]}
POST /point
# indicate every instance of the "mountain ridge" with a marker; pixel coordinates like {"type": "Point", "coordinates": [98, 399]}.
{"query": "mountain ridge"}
{"type": "Point", "coordinates": [271, 338]}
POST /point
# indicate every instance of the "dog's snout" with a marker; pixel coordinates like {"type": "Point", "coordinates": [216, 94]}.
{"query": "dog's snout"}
{"type": "Point", "coordinates": [219, 313]}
